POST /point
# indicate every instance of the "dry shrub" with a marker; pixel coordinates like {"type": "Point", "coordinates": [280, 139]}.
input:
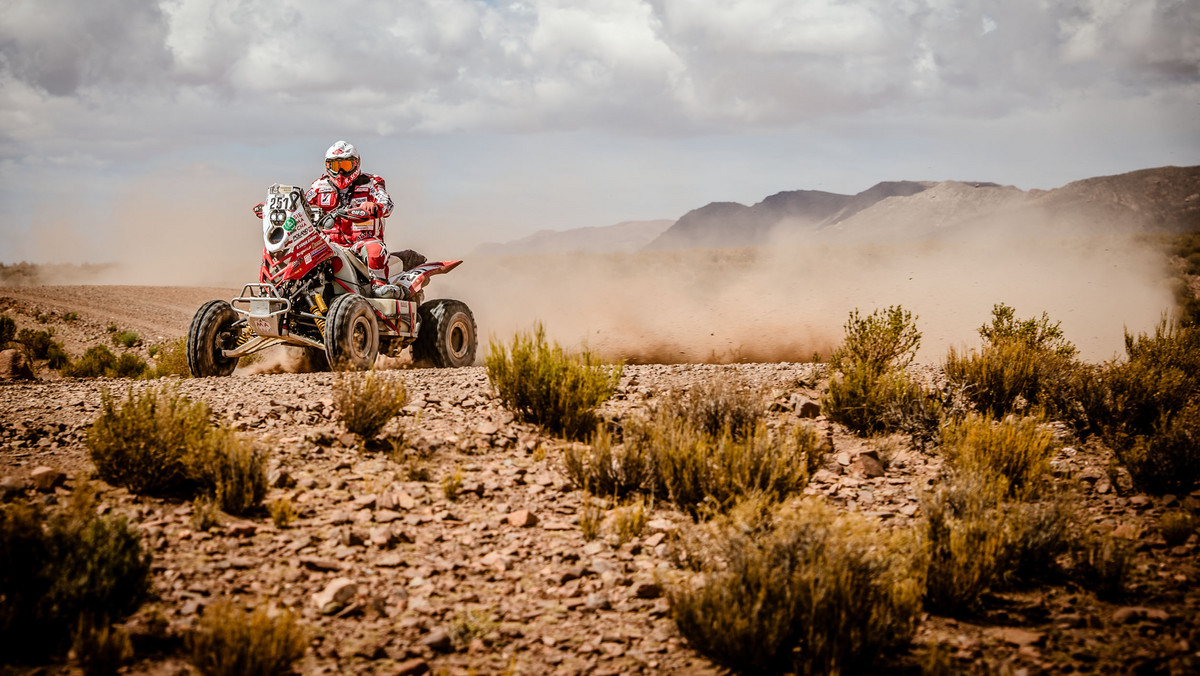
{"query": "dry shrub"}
{"type": "Point", "coordinates": [64, 568]}
{"type": "Point", "coordinates": [602, 469]}
{"type": "Point", "coordinates": [798, 588]}
{"type": "Point", "coordinates": [549, 386]}
{"type": "Point", "coordinates": [36, 344]}
{"type": "Point", "coordinates": [720, 403]}
{"type": "Point", "coordinates": [701, 472]}
{"type": "Point", "coordinates": [232, 469]}
{"type": "Point", "coordinates": [283, 513]}
{"type": "Point", "coordinates": [884, 340]}
{"type": "Point", "coordinates": [591, 517]}
{"type": "Point", "coordinates": [869, 403]}
{"type": "Point", "coordinates": [1152, 420]}
{"type": "Point", "coordinates": [8, 330]}
{"type": "Point", "coordinates": [161, 443]}
{"type": "Point", "coordinates": [100, 648]}
{"type": "Point", "coordinates": [170, 359]}
{"type": "Point", "coordinates": [367, 401]}
{"type": "Point", "coordinates": [206, 515]}
{"type": "Point", "coordinates": [1101, 563]}
{"type": "Point", "coordinates": [1038, 333]}
{"type": "Point", "coordinates": [1176, 527]}
{"type": "Point", "coordinates": [231, 642]}
{"type": "Point", "coordinates": [452, 484]}
{"type": "Point", "coordinates": [1015, 452]}
{"type": "Point", "coordinates": [143, 444]}
{"type": "Point", "coordinates": [99, 362]}
{"type": "Point", "coordinates": [629, 520]}
{"type": "Point", "coordinates": [467, 625]}
{"type": "Point", "coordinates": [976, 541]}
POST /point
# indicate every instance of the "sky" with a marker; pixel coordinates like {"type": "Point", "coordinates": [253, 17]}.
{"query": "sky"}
{"type": "Point", "coordinates": [153, 125]}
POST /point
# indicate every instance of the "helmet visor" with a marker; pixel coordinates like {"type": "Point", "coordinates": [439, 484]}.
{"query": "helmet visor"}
{"type": "Point", "coordinates": [341, 166]}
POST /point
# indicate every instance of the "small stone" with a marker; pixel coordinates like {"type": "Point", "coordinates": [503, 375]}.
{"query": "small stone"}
{"type": "Point", "coordinates": [868, 465]}
{"type": "Point", "coordinates": [437, 640]}
{"type": "Point", "coordinates": [1015, 636]}
{"type": "Point", "coordinates": [46, 478]}
{"type": "Point", "coordinates": [654, 540]}
{"type": "Point", "coordinates": [389, 560]}
{"type": "Point", "coordinates": [335, 595]}
{"type": "Point", "coordinates": [1131, 614]}
{"type": "Point", "coordinates": [404, 500]}
{"type": "Point", "coordinates": [487, 428]}
{"type": "Point", "coordinates": [363, 502]}
{"type": "Point", "coordinates": [647, 590]}
{"type": "Point", "coordinates": [556, 525]}
{"type": "Point", "coordinates": [843, 459]}
{"type": "Point", "coordinates": [10, 487]}
{"type": "Point", "coordinates": [319, 564]}
{"type": "Point", "coordinates": [809, 409]}
{"type": "Point", "coordinates": [413, 667]}
{"type": "Point", "coordinates": [241, 529]}
{"type": "Point", "coordinates": [597, 601]}
{"type": "Point", "coordinates": [386, 516]}
{"type": "Point", "coordinates": [909, 509]}
{"type": "Point", "coordinates": [522, 518]}
{"type": "Point", "coordinates": [13, 365]}
{"type": "Point", "coordinates": [660, 525]}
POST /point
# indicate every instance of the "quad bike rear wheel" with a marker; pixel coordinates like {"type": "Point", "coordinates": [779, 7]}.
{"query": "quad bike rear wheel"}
{"type": "Point", "coordinates": [446, 338]}
{"type": "Point", "coordinates": [351, 334]}
{"type": "Point", "coordinates": [211, 332]}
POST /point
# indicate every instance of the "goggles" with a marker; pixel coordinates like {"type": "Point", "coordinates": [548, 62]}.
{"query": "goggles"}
{"type": "Point", "coordinates": [341, 166]}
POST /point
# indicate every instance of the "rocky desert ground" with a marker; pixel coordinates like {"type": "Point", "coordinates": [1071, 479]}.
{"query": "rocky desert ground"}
{"type": "Point", "coordinates": [472, 560]}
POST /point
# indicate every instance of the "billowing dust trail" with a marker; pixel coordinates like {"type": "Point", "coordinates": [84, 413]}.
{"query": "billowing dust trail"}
{"type": "Point", "coordinates": [787, 302]}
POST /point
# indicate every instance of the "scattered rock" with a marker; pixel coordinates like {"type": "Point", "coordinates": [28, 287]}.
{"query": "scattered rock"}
{"type": "Point", "coordinates": [522, 518]}
{"type": "Point", "coordinates": [46, 479]}
{"type": "Point", "coordinates": [1131, 614]}
{"type": "Point", "coordinates": [335, 595]}
{"type": "Point", "coordinates": [413, 667]}
{"type": "Point", "coordinates": [437, 640]}
{"type": "Point", "coordinates": [647, 590]}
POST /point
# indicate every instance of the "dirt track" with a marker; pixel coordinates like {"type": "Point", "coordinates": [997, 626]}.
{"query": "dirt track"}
{"type": "Point", "coordinates": [545, 599]}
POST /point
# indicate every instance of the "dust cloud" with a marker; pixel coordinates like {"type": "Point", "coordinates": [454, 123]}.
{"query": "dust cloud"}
{"type": "Point", "coordinates": [790, 300]}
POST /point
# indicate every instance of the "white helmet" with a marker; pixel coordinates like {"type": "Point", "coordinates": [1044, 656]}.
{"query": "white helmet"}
{"type": "Point", "coordinates": [342, 164]}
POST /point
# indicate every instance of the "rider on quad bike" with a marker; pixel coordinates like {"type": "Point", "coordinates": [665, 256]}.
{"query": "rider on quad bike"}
{"type": "Point", "coordinates": [365, 202]}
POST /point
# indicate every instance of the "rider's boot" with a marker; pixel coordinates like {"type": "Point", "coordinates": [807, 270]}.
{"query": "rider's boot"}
{"type": "Point", "coordinates": [382, 290]}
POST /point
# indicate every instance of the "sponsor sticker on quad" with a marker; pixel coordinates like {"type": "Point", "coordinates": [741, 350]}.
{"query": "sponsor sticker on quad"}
{"type": "Point", "coordinates": [289, 224]}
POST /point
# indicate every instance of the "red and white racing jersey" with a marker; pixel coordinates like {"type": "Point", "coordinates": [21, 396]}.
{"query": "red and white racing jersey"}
{"type": "Point", "coordinates": [324, 195]}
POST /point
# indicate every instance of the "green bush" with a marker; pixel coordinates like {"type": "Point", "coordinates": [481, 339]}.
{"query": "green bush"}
{"type": "Point", "coordinates": [170, 359]}
{"type": "Point", "coordinates": [548, 386]}
{"type": "Point", "coordinates": [99, 362]}
{"type": "Point", "coordinates": [61, 569]}
{"type": "Point", "coordinates": [1167, 460]}
{"type": "Point", "coordinates": [1015, 452]}
{"type": "Point", "coordinates": [126, 339]}
{"type": "Point", "coordinates": [367, 401]}
{"type": "Point", "coordinates": [232, 468]}
{"type": "Point", "coordinates": [57, 358]}
{"type": "Point", "coordinates": [884, 340]}
{"type": "Point", "coordinates": [8, 330]}
{"type": "Point", "coordinates": [701, 472]}
{"type": "Point", "coordinates": [870, 402]}
{"type": "Point", "coordinates": [231, 642]}
{"type": "Point", "coordinates": [1039, 333]}
{"type": "Point", "coordinates": [802, 588]}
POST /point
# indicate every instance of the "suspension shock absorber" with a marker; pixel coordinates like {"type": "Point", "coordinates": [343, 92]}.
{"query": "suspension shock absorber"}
{"type": "Point", "coordinates": [319, 309]}
{"type": "Point", "coordinates": [244, 335]}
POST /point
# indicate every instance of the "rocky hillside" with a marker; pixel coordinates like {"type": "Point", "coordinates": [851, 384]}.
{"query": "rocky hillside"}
{"type": "Point", "coordinates": [1163, 199]}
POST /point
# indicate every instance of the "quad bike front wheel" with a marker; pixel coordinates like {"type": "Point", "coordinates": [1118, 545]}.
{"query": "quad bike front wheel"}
{"type": "Point", "coordinates": [446, 337]}
{"type": "Point", "coordinates": [211, 332]}
{"type": "Point", "coordinates": [351, 333]}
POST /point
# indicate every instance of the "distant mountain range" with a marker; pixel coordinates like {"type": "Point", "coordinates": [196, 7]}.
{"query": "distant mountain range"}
{"type": "Point", "coordinates": [1166, 199]}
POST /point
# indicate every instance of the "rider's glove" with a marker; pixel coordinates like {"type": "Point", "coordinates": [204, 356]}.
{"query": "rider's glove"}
{"type": "Point", "coordinates": [363, 212]}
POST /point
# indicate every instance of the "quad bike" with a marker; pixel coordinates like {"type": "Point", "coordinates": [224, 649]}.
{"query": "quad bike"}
{"type": "Point", "coordinates": [317, 295]}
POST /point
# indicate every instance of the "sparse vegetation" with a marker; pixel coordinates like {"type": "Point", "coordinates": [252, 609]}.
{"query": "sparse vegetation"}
{"type": "Point", "coordinates": [71, 316]}
{"type": "Point", "coordinates": [629, 520]}
{"type": "Point", "coordinates": [126, 339]}
{"type": "Point", "coordinates": [701, 472]}
{"type": "Point", "coordinates": [63, 568]}
{"type": "Point", "coordinates": [206, 515]}
{"type": "Point", "coordinates": [99, 362]}
{"type": "Point", "coordinates": [231, 468]}
{"type": "Point", "coordinates": [1014, 453]}
{"type": "Point", "coordinates": [716, 404]}
{"type": "Point", "coordinates": [283, 513]}
{"type": "Point", "coordinates": [231, 642]}
{"type": "Point", "coordinates": [8, 330]}
{"type": "Point", "coordinates": [799, 588]}
{"type": "Point", "coordinates": [100, 648]}
{"type": "Point", "coordinates": [885, 340]}
{"type": "Point", "coordinates": [468, 625]}
{"type": "Point", "coordinates": [160, 443]}
{"type": "Point", "coordinates": [1152, 417]}
{"type": "Point", "coordinates": [549, 386]}
{"type": "Point", "coordinates": [367, 401]}
{"type": "Point", "coordinates": [606, 470]}
{"type": "Point", "coordinates": [37, 344]}
{"type": "Point", "coordinates": [452, 484]}
{"type": "Point", "coordinates": [1176, 527]}
{"type": "Point", "coordinates": [144, 442]}
{"type": "Point", "coordinates": [170, 359]}
{"type": "Point", "coordinates": [1101, 563]}
{"type": "Point", "coordinates": [591, 517]}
